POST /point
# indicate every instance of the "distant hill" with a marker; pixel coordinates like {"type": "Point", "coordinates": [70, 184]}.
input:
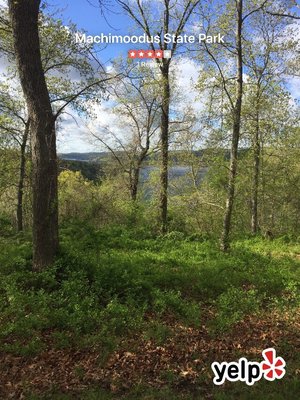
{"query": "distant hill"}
{"type": "Point", "coordinates": [104, 155]}
{"type": "Point", "coordinates": [91, 164]}
{"type": "Point", "coordinates": [89, 169]}
{"type": "Point", "coordinates": [87, 157]}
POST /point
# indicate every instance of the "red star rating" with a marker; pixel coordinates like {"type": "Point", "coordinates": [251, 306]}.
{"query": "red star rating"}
{"type": "Point", "coordinates": [132, 54]}
{"type": "Point", "coordinates": [150, 54]}
{"type": "Point", "coordinates": [146, 54]}
{"type": "Point", "coordinates": [142, 54]}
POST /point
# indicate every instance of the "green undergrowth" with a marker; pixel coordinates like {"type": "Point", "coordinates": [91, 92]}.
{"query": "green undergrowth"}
{"type": "Point", "coordinates": [261, 390]}
{"type": "Point", "coordinates": [106, 283]}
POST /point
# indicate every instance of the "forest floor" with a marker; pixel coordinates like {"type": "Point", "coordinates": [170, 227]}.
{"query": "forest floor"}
{"type": "Point", "coordinates": [123, 315]}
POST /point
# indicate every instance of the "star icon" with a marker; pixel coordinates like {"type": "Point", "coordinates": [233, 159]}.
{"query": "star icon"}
{"type": "Point", "coordinates": [131, 54]}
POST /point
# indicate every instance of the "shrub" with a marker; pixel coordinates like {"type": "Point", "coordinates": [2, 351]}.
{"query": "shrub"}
{"type": "Point", "coordinates": [233, 304]}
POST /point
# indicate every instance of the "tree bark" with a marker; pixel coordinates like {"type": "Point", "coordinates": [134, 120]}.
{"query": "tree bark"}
{"type": "Point", "coordinates": [235, 133]}
{"type": "Point", "coordinates": [24, 17]}
{"type": "Point", "coordinates": [135, 171]}
{"type": "Point", "coordinates": [256, 166]}
{"type": "Point", "coordinates": [22, 178]}
{"type": "Point", "coordinates": [134, 182]}
{"type": "Point", "coordinates": [163, 205]}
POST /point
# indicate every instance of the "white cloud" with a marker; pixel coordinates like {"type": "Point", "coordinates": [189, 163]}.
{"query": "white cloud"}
{"type": "Point", "coordinates": [72, 134]}
{"type": "Point", "coordinates": [78, 138]}
{"type": "Point", "coordinates": [187, 73]}
{"type": "Point", "coordinates": [76, 133]}
{"type": "Point", "coordinates": [293, 85]}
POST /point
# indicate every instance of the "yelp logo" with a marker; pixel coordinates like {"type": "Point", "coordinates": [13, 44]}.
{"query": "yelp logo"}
{"type": "Point", "coordinates": [273, 367]}
{"type": "Point", "coordinates": [270, 368]}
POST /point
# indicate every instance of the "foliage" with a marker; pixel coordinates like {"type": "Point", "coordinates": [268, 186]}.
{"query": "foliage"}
{"type": "Point", "coordinates": [121, 299]}
{"type": "Point", "coordinates": [114, 283]}
{"type": "Point", "coordinates": [108, 289]}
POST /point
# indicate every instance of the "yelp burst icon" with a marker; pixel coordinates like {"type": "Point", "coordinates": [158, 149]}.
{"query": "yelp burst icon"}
{"type": "Point", "coordinates": [273, 367]}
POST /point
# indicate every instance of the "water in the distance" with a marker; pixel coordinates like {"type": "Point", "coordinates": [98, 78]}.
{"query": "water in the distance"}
{"type": "Point", "coordinates": [179, 177]}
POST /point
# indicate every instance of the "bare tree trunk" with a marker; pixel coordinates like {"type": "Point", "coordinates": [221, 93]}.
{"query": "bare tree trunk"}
{"type": "Point", "coordinates": [164, 150]}
{"type": "Point", "coordinates": [256, 166]}
{"type": "Point", "coordinates": [235, 133]}
{"type": "Point", "coordinates": [134, 182]}
{"type": "Point", "coordinates": [24, 16]}
{"type": "Point", "coordinates": [22, 178]}
{"type": "Point", "coordinates": [135, 172]}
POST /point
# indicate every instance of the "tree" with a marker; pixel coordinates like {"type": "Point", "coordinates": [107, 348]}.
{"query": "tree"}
{"type": "Point", "coordinates": [261, 70]}
{"type": "Point", "coordinates": [234, 49]}
{"type": "Point", "coordinates": [172, 18]}
{"type": "Point", "coordinates": [136, 100]}
{"type": "Point", "coordinates": [15, 128]}
{"type": "Point", "coordinates": [60, 56]}
{"type": "Point", "coordinates": [265, 69]}
{"type": "Point", "coordinates": [24, 19]}
{"type": "Point", "coordinates": [236, 115]}
{"type": "Point", "coordinates": [278, 168]}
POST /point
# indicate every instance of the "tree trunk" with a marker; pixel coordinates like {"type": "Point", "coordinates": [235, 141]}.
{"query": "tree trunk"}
{"type": "Point", "coordinates": [235, 133]}
{"type": "Point", "coordinates": [134, 182]}
{"type": "Point", "coordinates": [164, 149]}
{"type": "Point", "coordinates": [256, 166]}
{"type": "Point", "coordinates": [24, 16]}
{"type": "Point", "coordinates": [22, 178]}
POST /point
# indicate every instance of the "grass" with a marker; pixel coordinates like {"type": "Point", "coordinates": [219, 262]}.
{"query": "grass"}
{"type": "Point", "coordinates": [109, 284]}
{"type": "Point", "coordinates": [138, 393]}
{"type": "Point", "coordinates": [268, 391]}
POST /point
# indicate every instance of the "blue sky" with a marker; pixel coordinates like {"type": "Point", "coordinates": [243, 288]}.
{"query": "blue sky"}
{"type": "Point", "coordinates": [89, 18]}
